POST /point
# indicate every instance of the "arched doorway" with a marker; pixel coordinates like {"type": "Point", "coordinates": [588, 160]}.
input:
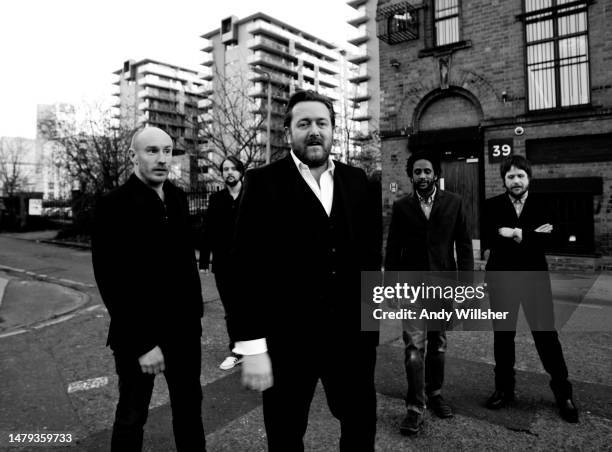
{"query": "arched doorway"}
{"type": "Point", "coordinates": [447, 122]}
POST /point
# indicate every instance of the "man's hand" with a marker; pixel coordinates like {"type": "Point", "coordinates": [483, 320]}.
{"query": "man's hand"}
{"type": "Point", "coordinates": [152, 362]}
{"type": "Point", "coordinates": [506, 232]}
{"type": "Point", "coordinates": [546, 228]}
{"type": "Point", "coordinates": [257, 371]}
{"type": "Point", "coordinates": [517, 235]}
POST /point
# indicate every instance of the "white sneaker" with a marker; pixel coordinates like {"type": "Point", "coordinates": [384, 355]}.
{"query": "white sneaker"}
{"type": "Point", "coordinates": [230, 362]}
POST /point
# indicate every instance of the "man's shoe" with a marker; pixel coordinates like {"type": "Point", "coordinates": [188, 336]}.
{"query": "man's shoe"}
{"type": "Point", "coordinates": [230, 362]}
{"type": "Point", "coordinates": [412, 423]}
{"type": "Point", "coordinates": [439, 406]}
{"type": "Point", "coordinates": [500, 399]}
{"type": "Point", "coordinates": [568, 410]}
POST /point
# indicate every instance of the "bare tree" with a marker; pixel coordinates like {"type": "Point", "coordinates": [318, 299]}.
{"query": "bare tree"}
{"type": "Point", "coordinates": [232, 123]}
{"type": "Point", "coordinates": [12, 175]}
{"type": "Point", "coordinates": [92, 148]}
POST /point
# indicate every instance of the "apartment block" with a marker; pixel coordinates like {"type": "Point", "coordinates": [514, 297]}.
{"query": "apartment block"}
{"type": "Point", "coordinates": [152, 93]}
{"type": "Point", "coordinates": [365, 80]}
{"type": "Point", "coordinates": [259, 55]}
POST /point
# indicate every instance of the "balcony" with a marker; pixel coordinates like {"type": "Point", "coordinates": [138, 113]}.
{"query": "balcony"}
{"type": "Point", "coordinates": [208, 46]}
{"type": "Point", "coordinates": [208, 62]}
{"type": "Point", "coordinates": [327, 80]}
{"type": "Point", "coordinates": [362, 75]}
{"type": "Point", "coordinates": [205, 104]}
{"type": "Point", "coordinates": [260, 106]}
{"type": "Point", "coordinates": [260, 26]}
{"type": "Point", "coordinates": [176, 74]}
{"type": "Point", "coordinates": [359, 59]}
{"type": "Point", "coordinates": [359, 40]}
{"type": "Point", "coordinates": [156, 94]}
{"type": "Point", "coordinates": [324, 65]}
{"type": "Point", "coordinates": [360, 95]}
{"type": "Point", "coordinates": [153, 80]}
{"type": "Point", "coordinates": [355, 4]}
{"type": "Point", "coordinates": [275, 78]}
{"type": "Point", "coordinates": [361, 19]}
{"type": "Point", "coordinates": [259, 90]}
{"type": "Point", "coordinates": [266, 59]}
{"type": "Point", "coordinates": [260, 42]}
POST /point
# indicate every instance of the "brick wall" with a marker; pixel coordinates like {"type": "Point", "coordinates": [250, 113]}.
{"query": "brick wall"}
{"type": "Point", "coordinates": [491, 65]}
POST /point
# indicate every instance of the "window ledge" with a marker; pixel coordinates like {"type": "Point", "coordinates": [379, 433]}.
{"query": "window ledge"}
{"type": "Point", "coordinates": [576, 110]}
{"type": "Point", "coordinates": [443, 50]}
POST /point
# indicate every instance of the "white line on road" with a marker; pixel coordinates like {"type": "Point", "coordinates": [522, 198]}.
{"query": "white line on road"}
{"type": "Point", "coordinates": [85, 385]}
{"type": "Point", "coordinates": [13, 333]}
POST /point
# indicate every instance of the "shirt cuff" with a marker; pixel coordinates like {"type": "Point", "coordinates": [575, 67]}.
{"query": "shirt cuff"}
{"type": "Point", "coordinates": [253, 347]}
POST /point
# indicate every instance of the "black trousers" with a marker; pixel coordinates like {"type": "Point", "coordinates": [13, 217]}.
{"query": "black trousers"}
{"type": "Point", "coordinates": [183, 364]}
{"type": "Point", "coordinates": [532, 290]}
{"type": "Point", "coordinates": [225, 285]}
{"type": "Point", "coordinates": [348, 380]}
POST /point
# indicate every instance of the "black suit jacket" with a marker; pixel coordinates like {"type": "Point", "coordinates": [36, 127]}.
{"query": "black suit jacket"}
{"type": "Point", "coordinates": [280, 254]}
{"type": "Point", "coordinates": [506, 254]}
{"type": "Point", "coordinates": [218, 232]}
{"type": "Point", "coordinates": [145, 267]}
{"type": "Point", "coordinates": [416, 243]}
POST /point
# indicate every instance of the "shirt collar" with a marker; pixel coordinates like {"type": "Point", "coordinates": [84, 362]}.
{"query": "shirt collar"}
{"type": "Point", "coordinates": [429, 199]}
{"type": "Point", "coordinates": [302, 166]}
{"type": "Point", "coordinates": [521, 200]}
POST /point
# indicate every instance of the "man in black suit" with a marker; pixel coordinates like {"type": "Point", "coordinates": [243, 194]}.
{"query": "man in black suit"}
{"type": "Point", "coordinates": [305, 230]}
{"type": "Point", "coordinates": [145, 268]}
{"type": "Point", "coordinates": [218, 236]}
{"type": "Point", "coordinates": [517, 224]}
{"type": "Point", "coordinates": [426, 228]}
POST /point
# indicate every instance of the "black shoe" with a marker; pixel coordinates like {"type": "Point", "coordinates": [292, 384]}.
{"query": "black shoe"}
{"type": "Point", "coordinates": [412, 423]}
{"type": "Point", "coordinates": [568, 410]}
{"type": "Point", "coordinates": [500, 399]}
{"type": "Point", "coordinates": [439, 406]}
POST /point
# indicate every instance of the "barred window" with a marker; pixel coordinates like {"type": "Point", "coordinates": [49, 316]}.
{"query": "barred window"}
{"type": "Point", "coordinates": [446, 21]}
{"type": "Point", "coordinates": [557, 53]}
{"type": "Point", "coordinates": [397, 23]}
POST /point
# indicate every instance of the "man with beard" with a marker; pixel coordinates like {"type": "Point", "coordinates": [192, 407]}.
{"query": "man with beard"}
{"type": "Point", "coordinates": [305, 231]}
{"type": "Point", "coordinates": [146, 271]}
{"type": "Point", "coordinates": [218, 236]}
{"type": "Point", "coordinates": [426, 227]}
{"type": "Point", "coordinates": [516, 227]}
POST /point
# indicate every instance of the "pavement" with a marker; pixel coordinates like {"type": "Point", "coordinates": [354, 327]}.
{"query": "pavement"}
{"type": "Point", "coordinates": [55, 374]}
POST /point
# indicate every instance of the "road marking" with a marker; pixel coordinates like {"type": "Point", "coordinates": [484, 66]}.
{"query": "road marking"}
{"type": "Point", "coordinates": [86, 385]}
{"type": "Point", "coordinates": [13, 333]}
{"type": "Point", "coordinates": [3, 284]}
{"type": "Point", "coordinates": [53, 321]}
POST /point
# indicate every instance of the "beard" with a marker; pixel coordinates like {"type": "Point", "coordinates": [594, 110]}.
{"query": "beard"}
{"type": "Point", "coordinates": [231, 181]}
{"type": "Point", "coordinates": [313, 158]}
{"type": "Point", "coordinates": [517, 194]}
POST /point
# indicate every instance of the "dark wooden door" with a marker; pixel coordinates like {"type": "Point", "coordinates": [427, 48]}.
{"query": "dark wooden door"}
{"type": "Point", "coordinates": [461, 177]}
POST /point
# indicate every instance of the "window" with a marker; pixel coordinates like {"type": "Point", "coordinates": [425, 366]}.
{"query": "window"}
{"type": "Point", "coordinates": [557, 53]}
{"type": "Point", "coordinates": [446, 21]}
{"type": "Point", "coordinates": [397, 23]}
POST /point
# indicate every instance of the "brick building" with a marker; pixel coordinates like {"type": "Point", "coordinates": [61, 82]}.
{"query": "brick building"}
{"type": "Point", "coordinates": [479, 80]}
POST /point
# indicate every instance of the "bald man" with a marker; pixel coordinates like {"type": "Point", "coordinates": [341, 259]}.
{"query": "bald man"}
{"type": "Point", "coordinates": [146, 272]}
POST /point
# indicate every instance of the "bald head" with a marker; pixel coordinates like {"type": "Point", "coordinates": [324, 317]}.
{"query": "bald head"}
{"type": "Point", "coordinates": [151, 153]}
{"type": "Point", "coordinates": [146, 134]}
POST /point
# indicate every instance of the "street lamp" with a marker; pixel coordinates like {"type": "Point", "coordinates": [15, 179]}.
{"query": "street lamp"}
{"type": "Point", "coordinates": [269, 113]}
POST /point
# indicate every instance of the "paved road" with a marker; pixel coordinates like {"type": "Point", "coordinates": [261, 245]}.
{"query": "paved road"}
{"type": "Point", "coordinates": [61, 378]}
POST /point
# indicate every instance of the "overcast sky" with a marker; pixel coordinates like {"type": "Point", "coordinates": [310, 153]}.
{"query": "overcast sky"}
{"type": "Point", "coordinates": [66, 50]}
